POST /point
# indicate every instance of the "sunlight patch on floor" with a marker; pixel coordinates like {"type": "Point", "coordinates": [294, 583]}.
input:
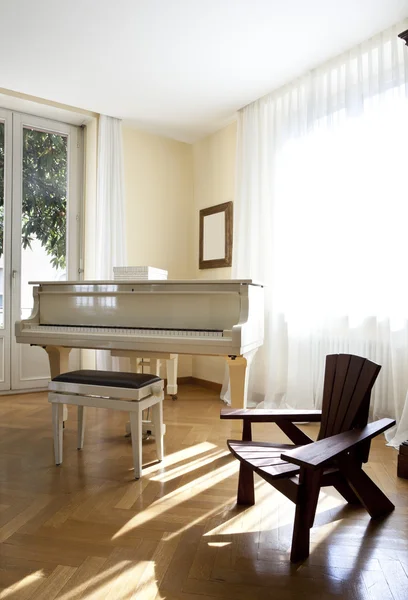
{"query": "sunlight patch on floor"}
{"type": "Point", "coordinates": [160, 506]}
{"type": "Point", "coordinates": [191, 466]}
{"type": "Point", "coordinates": [191, 451]}
{"type": "Point", "coordinates": [219, 544]}
{"type": "Point", "coordinates": [17, 589]}
{"type": "Point", "coordinates": [117, 574]}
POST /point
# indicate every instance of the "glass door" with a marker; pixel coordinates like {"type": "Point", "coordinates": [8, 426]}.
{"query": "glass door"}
{"type": "Point", "coordinates": [5, 246]}
{"type": "Point", "coordinates": [45, 230]}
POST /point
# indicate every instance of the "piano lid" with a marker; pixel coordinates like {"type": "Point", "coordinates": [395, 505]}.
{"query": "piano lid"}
{"type": "Point", "coordinates": [149, 282]}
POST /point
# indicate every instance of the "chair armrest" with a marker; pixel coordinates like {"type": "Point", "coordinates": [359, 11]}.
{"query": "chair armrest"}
{"type": "Point", "coordinates": [264, 415]}
{"type": "Point", "coordinates": [320, 453]}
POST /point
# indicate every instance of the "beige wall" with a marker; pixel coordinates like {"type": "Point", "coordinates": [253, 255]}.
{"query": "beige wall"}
{"type": "Point", "coordinates": [159, 207]}
{"type": "Point", "coordinates": [214, 183]}
{"type": "Point", "coordinates": [159, 199]}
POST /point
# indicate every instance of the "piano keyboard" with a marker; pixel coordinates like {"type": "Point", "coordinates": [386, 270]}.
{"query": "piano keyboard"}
{"type": "Point", "coordinates": [145, 332]}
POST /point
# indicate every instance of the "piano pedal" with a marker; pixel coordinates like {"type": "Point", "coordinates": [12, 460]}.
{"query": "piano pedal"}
{"type": "Point", "coordinates": [147, 430]}
{"type": "Point", "coordinates": [145, 436]}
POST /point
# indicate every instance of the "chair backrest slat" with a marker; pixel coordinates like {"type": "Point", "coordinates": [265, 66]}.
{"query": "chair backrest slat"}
{"type": "Point", "coordinates": [365, 382]}
{"type": "Point", "coordinates": [348, 372]}
{"type": "Point", "coordinates": [329, 375]}
{"type": "Point", "coordinates": [346, 394]}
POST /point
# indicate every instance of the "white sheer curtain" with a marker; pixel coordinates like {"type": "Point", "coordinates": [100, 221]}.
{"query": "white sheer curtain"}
{"type": "Point", "coordinates": [110, 209]}
{"type": "Point", "coordinates": [321, 216]}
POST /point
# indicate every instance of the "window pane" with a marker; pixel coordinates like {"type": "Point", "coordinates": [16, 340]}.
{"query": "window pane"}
{"type": "Point", "coordinates": [44, 206]}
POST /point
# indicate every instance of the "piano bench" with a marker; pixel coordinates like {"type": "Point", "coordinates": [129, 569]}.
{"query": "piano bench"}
{"type": "Point", "coordinates": [130, 392]}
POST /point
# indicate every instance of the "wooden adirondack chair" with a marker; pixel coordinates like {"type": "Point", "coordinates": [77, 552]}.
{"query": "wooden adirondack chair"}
{"type": "Point", "coordinates": [300, 470]}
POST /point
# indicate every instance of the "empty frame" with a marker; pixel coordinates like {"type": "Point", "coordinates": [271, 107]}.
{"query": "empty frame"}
{"type": "Point", "coordinates": [216, 236]}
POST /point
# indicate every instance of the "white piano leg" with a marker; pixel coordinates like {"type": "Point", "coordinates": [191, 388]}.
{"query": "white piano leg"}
{"type": "Point", "coordinates": [172, 364]}
{"type": "Point", "coordinates": [59, 363]}
{"type": "Point", "coordinates": [238, 385]}
{"type": "Point", "coordinates": [59, 359]}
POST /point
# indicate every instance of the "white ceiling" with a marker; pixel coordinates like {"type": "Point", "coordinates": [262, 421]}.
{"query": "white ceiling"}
{"type": "Point", "coordinates": [180, 68]}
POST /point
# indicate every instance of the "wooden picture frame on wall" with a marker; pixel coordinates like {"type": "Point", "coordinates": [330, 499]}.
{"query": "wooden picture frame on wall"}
{"type": "Point", "coordinates": [216, 236]}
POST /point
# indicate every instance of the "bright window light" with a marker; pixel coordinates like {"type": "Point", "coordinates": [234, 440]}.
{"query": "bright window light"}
{"type": "Point", "coordinates": [342, 243]}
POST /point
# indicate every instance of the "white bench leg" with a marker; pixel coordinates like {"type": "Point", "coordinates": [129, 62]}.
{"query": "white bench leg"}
{"type": "Point", "coordinates": [157, 418]}
{"type": "Point", "coordinates": [57, 421]}
{"type": "Point", "coordinates": [136, 432]}
{"type": "Point", "coordinates": [81, 427]}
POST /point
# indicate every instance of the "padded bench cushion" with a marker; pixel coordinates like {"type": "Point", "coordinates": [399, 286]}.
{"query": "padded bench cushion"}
{"type": "Point", "coordinates": [108, 378]}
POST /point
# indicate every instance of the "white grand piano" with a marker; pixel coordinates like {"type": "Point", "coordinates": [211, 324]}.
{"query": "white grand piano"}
{"type": "Point", "coordinates": [218, 318]}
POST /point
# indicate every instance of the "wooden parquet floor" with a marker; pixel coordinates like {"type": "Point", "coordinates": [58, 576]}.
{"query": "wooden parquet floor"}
{"type": "Point", "coordinates": [87, 530]}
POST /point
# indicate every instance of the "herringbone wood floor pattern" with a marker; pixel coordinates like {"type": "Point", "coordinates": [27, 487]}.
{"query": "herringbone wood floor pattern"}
{"type": "Point", "coordinates": [87, 530]}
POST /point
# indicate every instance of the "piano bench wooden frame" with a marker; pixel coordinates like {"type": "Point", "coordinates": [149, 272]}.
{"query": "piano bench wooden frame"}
{"type": "Point", "coordinates": [125, 399]}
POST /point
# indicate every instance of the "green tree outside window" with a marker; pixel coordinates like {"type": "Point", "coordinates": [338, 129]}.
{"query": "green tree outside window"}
{"type": "Point", "coordinates": [44, 201]}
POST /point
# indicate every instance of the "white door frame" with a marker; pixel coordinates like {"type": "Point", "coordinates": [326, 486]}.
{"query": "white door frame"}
{"type": "Point", "coordinates": [6, 333]}
{"type": "Point", "coordinates": [74, 215]}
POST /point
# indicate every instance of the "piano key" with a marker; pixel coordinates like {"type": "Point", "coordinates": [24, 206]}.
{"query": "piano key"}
{"type": "Point", "coordinates": [120, 331]}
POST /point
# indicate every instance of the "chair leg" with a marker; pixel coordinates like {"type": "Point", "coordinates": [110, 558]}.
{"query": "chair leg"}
{"type": "Point", "coordinates": [246, 491]}
{"type": "Point", "coordinates": [305, 513]}
{"type": "Point", "coordinates": [57, 422]}
{"type": "Point", "coordinates": [343, 487]}
{"type": "Point", "coordinates": [136, 432]}
{"type": "Point", "coordinates": [81, 427]}
{"type": "Point", "coordinates": [370, 495]}
{"type": "Point", "coordinates": [157, 418]}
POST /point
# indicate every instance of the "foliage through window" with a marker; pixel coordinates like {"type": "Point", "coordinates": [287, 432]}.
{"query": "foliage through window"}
{"type": "Point", "coordinates": [44, 201]}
